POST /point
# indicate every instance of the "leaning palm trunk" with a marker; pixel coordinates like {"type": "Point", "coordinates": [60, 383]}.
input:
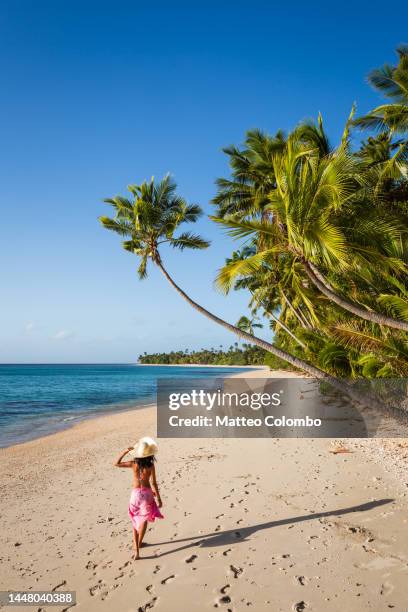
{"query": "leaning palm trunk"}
{"type": "Point", "coordinates": [321, 283]}
{"type": "Point", "coordinates": [302, 320]}
{"type": "Point", "coordinates": [295, 361]}
{"type": "Point", "coordinates": [279, 323]}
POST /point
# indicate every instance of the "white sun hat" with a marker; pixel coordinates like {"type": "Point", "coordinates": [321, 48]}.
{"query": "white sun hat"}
{"type": "Point", "coordinates": [146, 447]}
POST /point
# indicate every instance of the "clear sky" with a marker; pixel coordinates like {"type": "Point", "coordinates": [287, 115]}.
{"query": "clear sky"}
{"type": "Point", "coordinates": [97, 95]}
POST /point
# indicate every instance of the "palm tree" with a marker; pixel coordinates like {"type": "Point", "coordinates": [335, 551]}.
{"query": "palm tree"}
{"type": "Point", "coordinates": [248, 325]}
{"type": "Point", "coordinates": [319, 217]}
{"type": "Point", "coordinates": [150, 220]}
{"type": "Point", "coordinates": [252, 174]}
{"type": "Point", "coordinates": [392, 82]}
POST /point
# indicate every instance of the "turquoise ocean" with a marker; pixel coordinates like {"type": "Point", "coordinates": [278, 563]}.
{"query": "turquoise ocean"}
{"type": "Point", "coordinates": [36, 400]}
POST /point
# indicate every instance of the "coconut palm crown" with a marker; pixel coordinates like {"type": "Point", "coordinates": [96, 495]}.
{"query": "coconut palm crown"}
{"type": "Point", "coordinates": [151, 218]}
{"type": "Point", "coordinates": [392, 82]}
{"type": "Point", "coordinates": [318, 212]}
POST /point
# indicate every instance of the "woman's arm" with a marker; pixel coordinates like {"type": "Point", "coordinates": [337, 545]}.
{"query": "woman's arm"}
{"type": "Point", "coordinates": [155, 487]}
{"type": "Point", "coordinates": [124, 464]}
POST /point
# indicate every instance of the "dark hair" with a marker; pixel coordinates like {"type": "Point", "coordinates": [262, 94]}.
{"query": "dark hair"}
{"type": "Point", "coordinates": [145, 462]}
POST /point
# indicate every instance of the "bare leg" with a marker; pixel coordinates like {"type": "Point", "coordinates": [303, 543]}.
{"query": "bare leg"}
{"type": "Point", "coordinates": [142, 532]}
{"type": "Point", "coordinates": [135, 544]}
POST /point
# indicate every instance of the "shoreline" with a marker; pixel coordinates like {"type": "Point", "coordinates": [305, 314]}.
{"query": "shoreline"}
{"type": "Point", "coordinates": [114, 408]}
{"type": "Point", "coordinates": [133, 405]}
{"type": "Point", "coordinates": [78, 421]}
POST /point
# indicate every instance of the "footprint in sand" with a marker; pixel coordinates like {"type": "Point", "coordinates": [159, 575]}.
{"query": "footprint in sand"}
{"type": "Point", "coordinates": [57, 586]}
{"type": "Point", "coordinates": [96, 587]}
{"type": "Point", "coordinates": [225, 599]}
{"type": "Point", "coordinates": [107, 564]}
{"type": "Point", "coordinates": [300, 606]}
{"type": "Point", "coordinates": [124, 565]}
{"type": "Point", "coordinates": [104, 595]}
{"type": "Point", "coordinates": [168, 579]}
{"type": "Point", "coordinates": [91, 565]}
{"type": "Point", "coordinates": [148, 605]}
{"type": "Point", "coordinates": [157, 569]}
{"type": "Point", "coordinates": [386, 588]}
{"type": "Point", "coordinates": [227, 552]}
{"type": "Point", "coordinates": [191, 559]}
{"type": "Point", "coordinates": [225, 588]}
{"type": "Point", "coordinates": [236, 570]}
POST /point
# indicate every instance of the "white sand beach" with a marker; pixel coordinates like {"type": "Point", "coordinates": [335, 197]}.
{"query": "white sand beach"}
{"type": "Point", "coordinates": [249, 524]}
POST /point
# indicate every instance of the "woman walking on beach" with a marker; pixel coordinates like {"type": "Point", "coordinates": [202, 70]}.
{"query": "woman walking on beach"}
{"type": "Point", "coordinates": [142, 504]}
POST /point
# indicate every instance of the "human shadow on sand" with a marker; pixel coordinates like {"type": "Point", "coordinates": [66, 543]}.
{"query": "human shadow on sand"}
{"type": "Point", "coordinates": [235, 536]}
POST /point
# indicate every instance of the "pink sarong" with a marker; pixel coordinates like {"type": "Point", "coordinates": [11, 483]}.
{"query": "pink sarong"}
{"type": "Point", "coordinates": [143, 507]}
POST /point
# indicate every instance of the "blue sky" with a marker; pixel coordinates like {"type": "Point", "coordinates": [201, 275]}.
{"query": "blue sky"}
{"type": "Point", "coordinates": [97, 95]}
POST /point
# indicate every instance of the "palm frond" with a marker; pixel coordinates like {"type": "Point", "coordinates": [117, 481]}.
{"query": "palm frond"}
{"type": "Point", "coordinates": [395, 305]}
{"type": "Point", "coordinates": [122, 228]}
{"type": "Point", "coordinates": [187, 240]}
{"type": "Point", "coordinates": [232, 271]}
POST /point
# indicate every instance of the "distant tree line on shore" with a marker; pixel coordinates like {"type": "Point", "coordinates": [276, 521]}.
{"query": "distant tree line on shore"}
{"type": "Point", "coordinates": [234, 355]}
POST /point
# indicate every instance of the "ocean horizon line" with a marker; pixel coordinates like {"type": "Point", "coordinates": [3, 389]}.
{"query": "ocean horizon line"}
{"type": "Point", "coordinates": [100, 363]}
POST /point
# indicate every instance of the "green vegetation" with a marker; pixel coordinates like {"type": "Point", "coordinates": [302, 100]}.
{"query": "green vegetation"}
{"type": "Point", "coordinates": [323, 240]}
{"type": "Point", "coordinates": [392, 83]}
{"type": "Point", "coordinates": [234, 355]}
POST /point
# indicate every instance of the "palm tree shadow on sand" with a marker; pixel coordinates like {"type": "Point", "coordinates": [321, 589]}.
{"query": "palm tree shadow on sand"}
{"type": "Point", "coordinates": [235, 536]}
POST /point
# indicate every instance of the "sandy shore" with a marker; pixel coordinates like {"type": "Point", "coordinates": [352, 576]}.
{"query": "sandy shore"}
{"type": "Point", "coordinates": [249, 524]}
